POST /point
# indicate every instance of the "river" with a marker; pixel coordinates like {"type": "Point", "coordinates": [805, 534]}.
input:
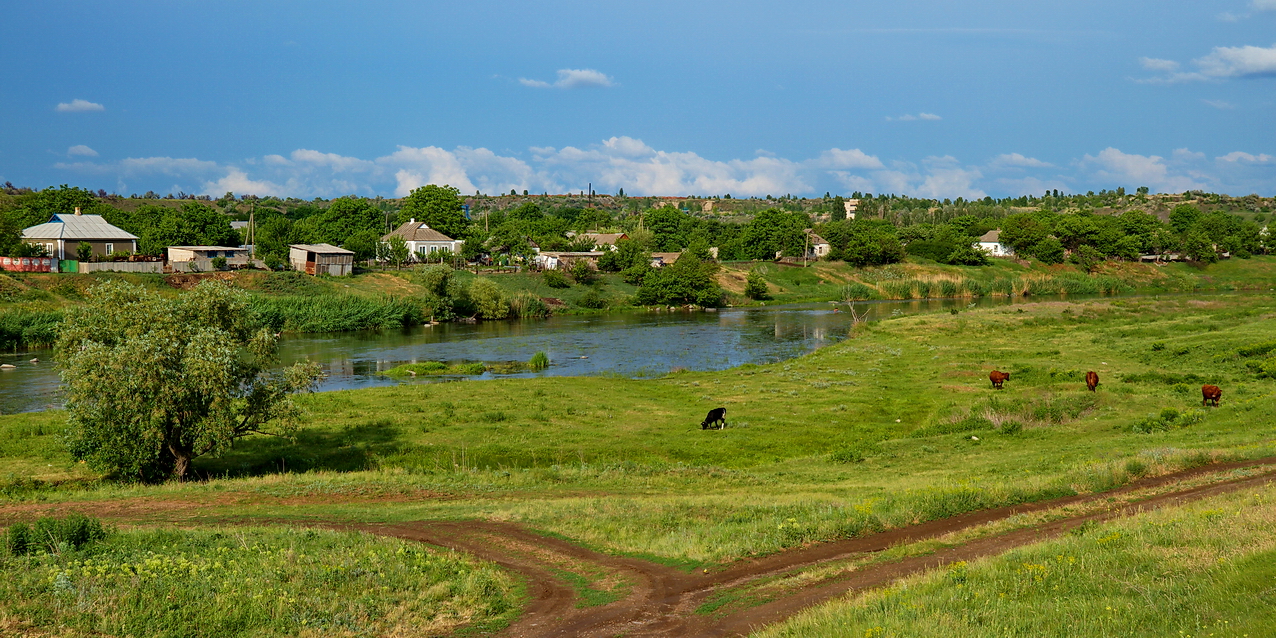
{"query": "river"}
{"type": "Point", "coordinates": [630, 344]}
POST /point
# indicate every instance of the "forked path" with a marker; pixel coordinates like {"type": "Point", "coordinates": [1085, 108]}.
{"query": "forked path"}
{"type": "Point", "coordinates": [662, 601]}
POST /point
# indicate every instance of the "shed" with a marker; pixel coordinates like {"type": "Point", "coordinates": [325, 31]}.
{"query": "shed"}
{"type": "Point", "coordinates": [321, 259]}
{"type": "Point", "coordinates": [660, 260]}
{"type": "Point", "coordinates": [62, 234]}
{"type": "Point", "coordinates": [990, 243]}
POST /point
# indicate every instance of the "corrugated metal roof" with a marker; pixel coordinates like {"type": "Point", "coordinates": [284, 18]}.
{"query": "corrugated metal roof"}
{"type": "Point", "coordinates": [78, 227]}
{"type": "Point", "coordinates": [327, 249]}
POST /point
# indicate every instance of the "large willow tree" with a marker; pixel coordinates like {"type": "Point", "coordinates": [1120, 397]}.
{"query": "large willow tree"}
{"type": "Point", "coordinates": [152, 383]}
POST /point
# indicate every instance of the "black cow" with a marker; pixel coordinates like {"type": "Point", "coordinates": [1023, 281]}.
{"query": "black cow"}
{"type": "Point", "coordinates": [716, 415]}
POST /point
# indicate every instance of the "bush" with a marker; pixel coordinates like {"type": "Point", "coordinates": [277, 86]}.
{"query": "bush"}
{"type": "Point", "coordinates": [219, 263]}
{"type": "Point", "coordinates": [583, 273]}
{"type": "Point", "coordinates": [855, 453]}
{"type": "Point", "coordinates": [592, 299]}
{"type": "Point", "coordinates": [755, 286]}
{"type": "Point", "coordinates": [856, 292]}
{"type": "Point", "coordinates": [539, 361]}
{"type": "Point", "coordinates": [336, 313]}
{"type": "Point", "coordinates": [1011, 427]}
{"type": "Point", "coordinates": [22, 327]}
{"type": "Point", "coordinates": [488, 298]}
{"type": "Point", "coordinates": [555, 279]}
{"type": "Point", "coordinates": [1168, 418]}
{"type": "Point", "coordinates": [53, 535]}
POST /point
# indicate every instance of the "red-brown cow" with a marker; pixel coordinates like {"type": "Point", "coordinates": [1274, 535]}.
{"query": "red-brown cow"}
{"type": "Point", "coordinates": [998, 377]}
{"type": "Point", "coordinates": [1092, 380]}
{"type": "Point", "coordinates": [1210, 394]}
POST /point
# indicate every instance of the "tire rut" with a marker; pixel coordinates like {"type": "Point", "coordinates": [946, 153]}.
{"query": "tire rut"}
{"type": "Point", "coordinates": [662, 601]}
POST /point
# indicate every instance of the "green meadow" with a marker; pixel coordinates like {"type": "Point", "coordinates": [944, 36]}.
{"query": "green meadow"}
{"type": "Point", "coordinates": [895, 425]}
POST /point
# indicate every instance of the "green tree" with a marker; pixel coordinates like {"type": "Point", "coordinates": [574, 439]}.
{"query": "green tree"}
{"type": "Point", "coordinates": [153, 383]}
{"type": "Point", "coordinates": [688, 281]}
{"type": "Point", "coordinates": [399, 253]}
{"type": "Point", "coordinates": [1087, 257]}
{"type": "Point", "coordinates": [1198, 247]}
{"type": "Point", "coordinates": [10, 232]}
{"type": "Point", "coordinates": [84, 251]}
{"type": "Point", "coordinates": [1184, 217]}
{"type": "Point", "coordinates": [1049, 250]}
{"type": "Point", "coordinates": [440, 207]}
{"type": "Point", "coordinates": [755, 286]}
{"type": "Point", "coordinates": [967, 255]}
{"type": "Point", "coordinates": [774, 231]}
{"type": "Point", "coordinates": [583, 273]}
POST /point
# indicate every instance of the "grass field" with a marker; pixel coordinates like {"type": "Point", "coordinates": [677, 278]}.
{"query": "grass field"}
{"type": "Point", "coordinates": [1205, 569]}
{"type": "Point", "coordinates": [258, 581]}
{"type": "Point", "coordinates": [897, 424]}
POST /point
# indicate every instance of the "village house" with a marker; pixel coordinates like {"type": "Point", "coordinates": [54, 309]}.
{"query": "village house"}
{"type": "Point", "coordinates": [817, 247]}
{"type": "Point", "coordinates": [990, 243]}
{"type": "Point", "coordinates": [660, 260]}
{"type": "Point", "coordinates": [62, 234]}
{"type": "Point", "coordinates": [321, 259]}
{"type": "Point", "coordinates": [604, 241]}
{"type": "Point", "coordinates": [423, 241]}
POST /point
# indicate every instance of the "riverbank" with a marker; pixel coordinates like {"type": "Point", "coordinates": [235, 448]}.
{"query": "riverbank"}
{"type": "Point", "coordinates": [31, 305]}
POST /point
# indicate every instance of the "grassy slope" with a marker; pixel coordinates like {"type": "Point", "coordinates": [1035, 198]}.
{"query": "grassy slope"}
{"type": "Point", "coordinates": [621, 464]}
{"type": "Point", "coordinates": [1204, 569]}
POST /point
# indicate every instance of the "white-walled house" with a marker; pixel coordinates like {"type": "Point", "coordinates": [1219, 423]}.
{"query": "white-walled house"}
{"type": "Point", "coordinates": [424, 241]}
{"type": "Point", "coordinates": [991, 244]}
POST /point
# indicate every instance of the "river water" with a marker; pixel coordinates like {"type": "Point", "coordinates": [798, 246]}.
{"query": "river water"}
{"type": "Point", "coordinates": [630, 344]}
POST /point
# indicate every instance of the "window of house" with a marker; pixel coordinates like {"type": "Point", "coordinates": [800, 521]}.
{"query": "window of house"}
{"type": "Point", "coordinates": [110, 248]}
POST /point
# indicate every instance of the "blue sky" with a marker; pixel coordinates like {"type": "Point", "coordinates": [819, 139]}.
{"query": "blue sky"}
{"type": "Point", "coordinates": [928, 98]}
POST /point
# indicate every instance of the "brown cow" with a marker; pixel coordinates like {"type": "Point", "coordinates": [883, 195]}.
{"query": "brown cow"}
{"type": "Point", "coordinates": [1092, 380]}
{"type": "Point", "coordinates": [1210, 394]}
{"type": "Point", "coordinates": [997, 377]}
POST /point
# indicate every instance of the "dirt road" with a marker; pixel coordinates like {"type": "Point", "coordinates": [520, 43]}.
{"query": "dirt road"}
{"type": "Point", "coordinates": [663, 601]}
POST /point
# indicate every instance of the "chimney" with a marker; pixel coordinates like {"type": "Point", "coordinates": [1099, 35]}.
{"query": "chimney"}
{"type": "Point", "coordinates": [412, 221]}
{"type": "Point", "coordinates": [77, 210]}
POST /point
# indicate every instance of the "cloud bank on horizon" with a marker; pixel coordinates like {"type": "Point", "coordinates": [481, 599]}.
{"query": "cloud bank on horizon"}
{"type": "Point", "coordinates": [631, 164]}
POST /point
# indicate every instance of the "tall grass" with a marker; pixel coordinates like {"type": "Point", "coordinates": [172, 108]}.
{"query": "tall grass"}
{"type": "Point", "coordinates": [253, 581]}
{"type": "Point", "coordinates": [22, 327]}
{"type": "Point", "coordinates": [297, 313]}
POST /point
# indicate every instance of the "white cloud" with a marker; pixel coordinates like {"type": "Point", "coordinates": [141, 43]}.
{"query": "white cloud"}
{"type": "Point", "coordinates": [931, 117]}
{"type": "Point", "coordinates": [1263, 5]}
{"type": "Point", "coordinates": [79, 106]}
{"type": "Point", "coordinates": [1237, 62]}
{"type": "Point", "coordinates": [1219, 104]}
{"type": "Point", "coordinates": [80, 150]}
{"type": "Point", "coordinates": [1156, 64]}
{"type": "Point", "coordinates": [629, 163]}
{"type": "Point", "coordinates": [1228, 16]}
{"type": "Point", "coordinates": [236, 181]}
{"type": "Point", "coordinates": [572, 79]}
{"type": "Point", "coordinates": [1240, 156]}
{"type": "Point", "coordinates": [1130, 170]}
{"type": "Point", "coordinates": [1222, 63]}
{"type": "Point", "coordinates": [1016, 160]}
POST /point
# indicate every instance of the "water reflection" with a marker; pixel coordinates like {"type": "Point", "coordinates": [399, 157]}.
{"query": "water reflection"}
{"type": "Point", "coordinates": [639, 344]}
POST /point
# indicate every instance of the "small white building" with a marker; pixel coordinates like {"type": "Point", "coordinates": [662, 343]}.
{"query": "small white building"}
{"type": "Point", "coordinates": [191, 253]}
{"type": "Point", "coordinates": [991, 244]}
{"type": "Point", "coordinates": [851, 205]}
{"type": "Point", "coordinates": [424, 241]}
{"type": "Point", "coordinates": [817, 246]}
{"type": "Point", "coordinates": [561, 260]}
{"type": "Point", "coordinates": [321, 259]}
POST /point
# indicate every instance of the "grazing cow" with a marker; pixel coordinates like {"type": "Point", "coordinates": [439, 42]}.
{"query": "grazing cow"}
{"type": "Point", "coordinates": [998, 377]}
{"type": "Point", "coordinates": [1092, 380]}
{"type": "Point", "coordinates": [1210, 394]}
{"type": "Point", "coordinates": [716, 415]}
